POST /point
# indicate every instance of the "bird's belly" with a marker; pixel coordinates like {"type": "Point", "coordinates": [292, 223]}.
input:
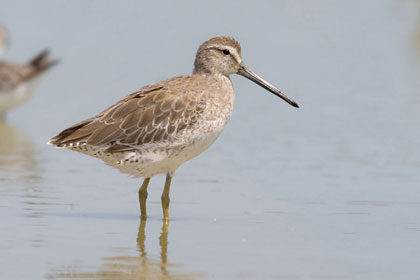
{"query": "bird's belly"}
{"type": "Point", "coordinates": [13, 97]}
{"type": "Point", "coordinates": [152, 160]}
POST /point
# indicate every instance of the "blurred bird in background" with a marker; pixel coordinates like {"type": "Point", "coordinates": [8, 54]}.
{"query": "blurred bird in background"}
{"type": "Point", "coordinates": [17, 81]}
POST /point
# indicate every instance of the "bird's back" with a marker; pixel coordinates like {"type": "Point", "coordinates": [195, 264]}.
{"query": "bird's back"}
{"type": "Point", "coordinates": [164, 117]}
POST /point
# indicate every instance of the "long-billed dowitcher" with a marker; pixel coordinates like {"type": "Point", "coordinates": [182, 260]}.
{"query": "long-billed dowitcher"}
{"type": "Point", "coordinates": [17, 81]}
{"type": "Point", "coordinates": [159, 127]}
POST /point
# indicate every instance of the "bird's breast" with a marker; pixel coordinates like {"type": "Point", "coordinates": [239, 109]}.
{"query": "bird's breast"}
{"type": "Point", "coordinates": [218, 101]}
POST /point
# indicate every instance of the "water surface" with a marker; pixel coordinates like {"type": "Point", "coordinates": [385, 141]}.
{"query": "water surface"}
{"type": "Point", "coordinates": [327, 191]}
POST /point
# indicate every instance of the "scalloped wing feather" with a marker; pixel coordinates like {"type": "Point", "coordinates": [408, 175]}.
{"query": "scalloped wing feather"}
{"type": "Point", "coordinates": [156, 113]}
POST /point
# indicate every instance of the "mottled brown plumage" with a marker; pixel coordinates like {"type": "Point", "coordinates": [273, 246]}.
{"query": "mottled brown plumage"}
{"type": "Point", "coordinates": [157, 128]}
{"type": "Point", "coordinates": [156, 113]}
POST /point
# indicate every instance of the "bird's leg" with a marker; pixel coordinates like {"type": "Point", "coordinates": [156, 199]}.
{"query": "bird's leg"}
{"type": "Point", "coordinates": [165, 197]}
{"type": "Point", "coordinates": [143, 197]}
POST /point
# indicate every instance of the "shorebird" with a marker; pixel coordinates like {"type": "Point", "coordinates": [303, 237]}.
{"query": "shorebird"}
{"type": "Point", "coordinates": [17, 81]}
{"type": "Point", "coordinates": [156, 129]}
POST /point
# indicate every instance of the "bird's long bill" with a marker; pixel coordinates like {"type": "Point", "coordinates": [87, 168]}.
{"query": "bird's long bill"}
{"type": "Point", "coordinates": [244, 71]}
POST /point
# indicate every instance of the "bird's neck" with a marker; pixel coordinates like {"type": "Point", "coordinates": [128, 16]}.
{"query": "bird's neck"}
{"type": "Point", "coordinates": [218, 87]}
{"type": "Point", "coordinates": [207, 72]}
{"type": "Point", "coordinates": [214, 78]}
{"type": "Point", "coordinates": [206, 69]}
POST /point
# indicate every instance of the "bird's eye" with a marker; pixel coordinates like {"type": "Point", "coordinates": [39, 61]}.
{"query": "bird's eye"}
{"type": "Point", "coordinates": [226, 52]}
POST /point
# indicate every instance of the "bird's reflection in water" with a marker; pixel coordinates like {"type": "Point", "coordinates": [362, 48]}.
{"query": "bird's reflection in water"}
{"type": "Point", "coordinates": [20, 177]}
{"type": "Point", "coordinates": [133, 267]}
{"type": "Point", "coordinates": [163, 242]}
{"type": "Point", "coordinates": [17, 157]}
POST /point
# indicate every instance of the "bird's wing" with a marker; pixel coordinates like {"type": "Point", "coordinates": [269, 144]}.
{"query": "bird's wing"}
{"type": "Point", "coordinates": [156, 113]}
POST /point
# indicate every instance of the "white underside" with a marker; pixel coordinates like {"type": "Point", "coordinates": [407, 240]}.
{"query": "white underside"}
{"type": "Point", "coordinates": [16, 96]}
{"type": "Point", "coordinates": [153, 159]}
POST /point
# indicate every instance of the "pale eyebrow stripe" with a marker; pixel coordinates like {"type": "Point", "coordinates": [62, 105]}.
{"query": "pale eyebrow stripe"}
{"type": "Point", "coordinates": [232, 50]}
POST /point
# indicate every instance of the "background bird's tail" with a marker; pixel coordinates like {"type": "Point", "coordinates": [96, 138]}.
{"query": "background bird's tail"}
{"type": "Point", "coordinates": [41, 63]}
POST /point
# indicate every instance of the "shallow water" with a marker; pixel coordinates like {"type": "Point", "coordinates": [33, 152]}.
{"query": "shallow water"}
{"type": "Point", "coordinates": [327, 191]}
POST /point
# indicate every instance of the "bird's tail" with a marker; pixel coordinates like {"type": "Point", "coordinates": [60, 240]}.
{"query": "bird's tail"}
{"type": "Point", "coordinates": [41, 63]}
